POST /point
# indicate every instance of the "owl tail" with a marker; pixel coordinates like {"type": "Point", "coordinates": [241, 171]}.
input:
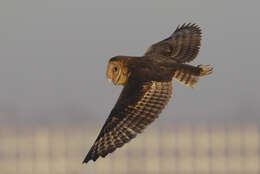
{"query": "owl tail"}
{"type": "Point", "coordinates": [189, 75]}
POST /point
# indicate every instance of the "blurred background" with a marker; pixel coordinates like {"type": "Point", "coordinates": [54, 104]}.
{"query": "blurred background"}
{"type": "Point", "coordinates": [54, 96]}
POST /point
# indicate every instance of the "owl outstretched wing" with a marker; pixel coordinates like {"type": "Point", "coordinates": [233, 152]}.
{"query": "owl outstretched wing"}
{"type": "Point", "coordinates": [138, 105]}
{"type": "Point", "coordinates": [183, 45]}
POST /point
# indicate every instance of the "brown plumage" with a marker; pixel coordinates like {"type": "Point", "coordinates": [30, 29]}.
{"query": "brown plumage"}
{"type": "Point", "coordinates": [147, 82]}
{"type": "Point", "coordinates": [183, 45]}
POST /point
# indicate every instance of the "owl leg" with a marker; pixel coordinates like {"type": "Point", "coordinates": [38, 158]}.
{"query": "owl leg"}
{"type": "Point", "coordinates": [205, 70]}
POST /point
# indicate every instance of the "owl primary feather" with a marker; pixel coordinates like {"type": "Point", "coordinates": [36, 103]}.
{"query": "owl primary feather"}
{"type": "Point", "coordinates": [147, 82]}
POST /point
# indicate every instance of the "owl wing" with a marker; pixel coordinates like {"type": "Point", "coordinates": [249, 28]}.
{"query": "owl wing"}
{"type": "Point", "coordinates": [138, 105]}
{"type": "Point", "coordinates": [183, 45]}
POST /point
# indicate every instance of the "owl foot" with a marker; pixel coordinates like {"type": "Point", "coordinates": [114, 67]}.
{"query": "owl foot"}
{"type": "Point", "coordinates": [205, 69]}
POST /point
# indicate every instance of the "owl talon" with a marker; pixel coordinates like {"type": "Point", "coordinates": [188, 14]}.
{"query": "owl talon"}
{"type": "Point", "coordinates": [205, 69]}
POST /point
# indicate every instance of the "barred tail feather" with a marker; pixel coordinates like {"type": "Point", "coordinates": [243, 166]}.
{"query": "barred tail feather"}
{"type": "Point", "coordinates": [186, 78]}
{"type": "Point", "coordinates": [189, 75]}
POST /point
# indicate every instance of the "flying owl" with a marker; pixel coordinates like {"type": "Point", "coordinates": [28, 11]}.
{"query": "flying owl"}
{"type": "Point", "coordinates": [147, 82]}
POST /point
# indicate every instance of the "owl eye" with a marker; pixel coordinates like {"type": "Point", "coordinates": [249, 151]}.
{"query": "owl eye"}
{"type": "Point", "coordinates": [115, 69]}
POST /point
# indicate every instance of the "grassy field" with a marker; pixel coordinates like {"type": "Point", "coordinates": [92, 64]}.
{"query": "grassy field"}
{"type": "Point", "coordinates": [182, 148]}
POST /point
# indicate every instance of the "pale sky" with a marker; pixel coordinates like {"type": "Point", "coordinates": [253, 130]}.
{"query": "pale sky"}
{"type": "Point", "coordinates": [54, 54]}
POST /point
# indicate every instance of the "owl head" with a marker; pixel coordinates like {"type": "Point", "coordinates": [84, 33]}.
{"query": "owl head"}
{"type": "Point", "coordinates": [117, 71]}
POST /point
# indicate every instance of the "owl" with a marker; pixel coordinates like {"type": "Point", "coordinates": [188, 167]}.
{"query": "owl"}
{"type": "Point", "coordinates": [147, 82]}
